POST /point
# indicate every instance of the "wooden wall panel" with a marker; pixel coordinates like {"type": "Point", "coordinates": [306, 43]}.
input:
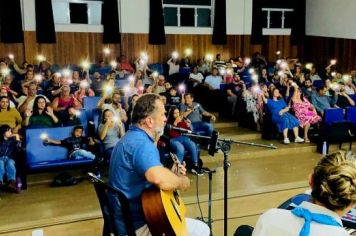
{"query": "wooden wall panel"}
{"type": "Point", "coordinates": [15, 48]}
{"type": "Point", "coordinates": [72, 47]}
{"type": "Point", "coordinates": [321, 50]}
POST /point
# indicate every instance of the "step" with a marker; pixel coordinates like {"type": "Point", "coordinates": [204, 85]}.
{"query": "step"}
{"type": "Point", "coordinates": [225, 124]}
{"type": "Point", "coordinates": [238, 133]}
{"type": "Point", "coordinates": [239, 151]}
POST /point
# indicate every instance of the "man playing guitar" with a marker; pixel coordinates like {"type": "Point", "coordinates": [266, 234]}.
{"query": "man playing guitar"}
{"type": "Point", "coordinates": [135, 165]}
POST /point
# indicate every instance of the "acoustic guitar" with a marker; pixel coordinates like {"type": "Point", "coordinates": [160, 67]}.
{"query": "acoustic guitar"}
{"type": "Point", "coordinates": [164, 211]}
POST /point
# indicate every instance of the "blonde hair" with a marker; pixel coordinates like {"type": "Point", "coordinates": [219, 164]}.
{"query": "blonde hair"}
{"type": "Point", "coordinates": [334, 181]}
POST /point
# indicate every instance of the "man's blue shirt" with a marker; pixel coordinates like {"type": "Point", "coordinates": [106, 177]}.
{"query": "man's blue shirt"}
{"type": "Point", "coordinates": [132, 156]}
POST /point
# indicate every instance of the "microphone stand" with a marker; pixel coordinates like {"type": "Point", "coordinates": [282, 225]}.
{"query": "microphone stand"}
{"type": "Point", "coordinates": [225, 146]}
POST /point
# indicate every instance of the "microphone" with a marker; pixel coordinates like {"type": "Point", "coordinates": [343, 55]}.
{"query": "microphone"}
{"type": "Point", "coordinates": [182, 130]}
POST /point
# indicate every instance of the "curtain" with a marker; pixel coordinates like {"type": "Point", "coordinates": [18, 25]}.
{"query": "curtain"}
{"type": "Point", "coordinates": [257, 22]}
{"type": "Point", "coordinates": [156, 28]}
{"type": "Point", "coordinates": [45, 31]}
{"type": "Point", "coordinates": [11, 22]}
{"type": "Point", "coordinates": [110, 20]}
{"type": "Point", "coordinates": [297, 19]}
{"type": "Point", "coordinates": [219, 30]}
{"type": "Point", "coordinates": [298, 23]}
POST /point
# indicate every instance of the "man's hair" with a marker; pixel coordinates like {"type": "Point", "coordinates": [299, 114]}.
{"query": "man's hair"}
{"type": "Point", "coordinates": [77, 127]}
{"type": "Point", "coordinates": [145, 106]}
{"type": "Point", "coordinates": [189, 94]}
{"type": "Point", "coordinates": [116, 93]}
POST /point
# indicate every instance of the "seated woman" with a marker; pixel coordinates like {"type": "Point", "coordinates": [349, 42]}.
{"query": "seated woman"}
{"type": "Point", "coordinates": [178, 143]}
{"type": "Point", "coordinates": [42, 115]}
{"type": "Point", "coordinates": [281, 117]}
{"type": "Point", "coordinates": [60, 104]}
{"type": "Point", "coordinates": [111, 130]}
{"type": "Point", "coordinates": [333, 185]}
{"type": "Point", "coordinates": [304, 111]}
{"type": "Point", "coordinates": [9, 116]}
{"type": "Point", "coordinates": [83, 91]}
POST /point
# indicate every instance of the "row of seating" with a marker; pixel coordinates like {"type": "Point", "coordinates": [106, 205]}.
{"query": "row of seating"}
{"type": "Point", "coordinates": [334, 115]}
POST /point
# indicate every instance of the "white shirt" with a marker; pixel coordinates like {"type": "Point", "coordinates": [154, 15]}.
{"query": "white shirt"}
{"type": "Point", "coordinates": [280, 222]}
{"type": "Point", "coordinates": [349, 90]}
{"type": "Point", "coordinates": [214, 81]}
{"type": "Point", "coordinates": [173, 67]}
{"type": "Point", "coordinates": [315, 77]}
{"type": "Point", "coordinates": [197, 76]}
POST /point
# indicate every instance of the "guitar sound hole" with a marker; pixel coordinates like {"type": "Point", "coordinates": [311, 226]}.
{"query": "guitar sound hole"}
{"type": "Point", "coordinates": [176, 197]}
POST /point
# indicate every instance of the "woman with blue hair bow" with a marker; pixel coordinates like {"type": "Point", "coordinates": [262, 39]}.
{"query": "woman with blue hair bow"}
{"type": "Point", "coordinates": [333, 185]}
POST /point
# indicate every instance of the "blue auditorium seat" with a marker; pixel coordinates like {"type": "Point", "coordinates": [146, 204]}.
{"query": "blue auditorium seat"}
{"type": "Point", "coordinates": [157, 67]}
{"type": "Point", "coordinates": [353, 97]}
{"type": "Point", "coordinates": [223, 87]}
{"type": "Point", "coordinates": [90, 103]}
{"type": "Point", "coordinates": [318, 83]}
{"type": "Point", "coordinates": [96, 118]}
{"type": "Point", "coordinates": [103, 70]}
{"type": "Point", "coordinates": [184, 71]}
{"type": "Point", "coordinates": [121, 83]}
{"type": "Point", "coordinates": [351, 114]}
{"type": "Point", "coordinates": [83, 120]}
{"type": "Point", "coordinates": [42, 156]}
{"type": "Point", "coordinates": [333, 115]}
{"type": "Point", "coordinates": [55, 68]}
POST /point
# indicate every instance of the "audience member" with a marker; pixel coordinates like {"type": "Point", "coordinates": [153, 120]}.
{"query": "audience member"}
{"type": "Point", "coordinates": [343, 99]}
{"type": "Point", "coordinates": [304, 111]}
{"type": "Point", "coordinates": [333, 184]}
{"type": "Point", "coordinates": [9, 142]}
{"type": "Point", "coordinates": [281, 116]}
{"type": "Point", "coordinates": [9, 116]}
{"type": "Point", "coordinates": [26, 102]}
{"type": "Point", "coordinates": [179, 143]}
{"type": "Point", "coordinates": [321, 101]}
{"type": "Point", "coordinates": [194, 112]}
{"type": "Point", "coordinates": [115, 105]}
{"type": "Point", "coordinates": [77, 144]}
{"type": "Point", "coordinates": [111, 129]}
{"type": "Point", "coordinates": [41, 115]}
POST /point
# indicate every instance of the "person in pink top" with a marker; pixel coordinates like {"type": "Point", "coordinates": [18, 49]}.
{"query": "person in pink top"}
{"type": "Point", "coordinates": [125, 65]}
{"type": "Point", "coordinates": [304, 111]}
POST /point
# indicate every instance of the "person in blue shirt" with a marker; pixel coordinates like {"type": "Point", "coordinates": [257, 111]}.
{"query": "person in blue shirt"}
{"type": "Point", "coordinates": [135, 165]}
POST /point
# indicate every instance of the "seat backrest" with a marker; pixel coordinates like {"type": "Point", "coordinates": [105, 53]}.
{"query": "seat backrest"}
{"type": "Point", "coordinates": [90, 103]}
{"type": "Point", "coordinates": [318, 83]}
{"type": "Point", "coordinates": [353, 97]}
{"type": "Point", "coordinates": [37, 151]}
{"type": "Point", "coordinates": [157, 67]}
{"type": "Point", "coordinates": [83, 120]}
{"type": "Point", "coordinates": [102, 189]}
{"type": "Point", "coordinates": [333, 115]}
{"type": "Point", "coordinates": [351, 114]}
